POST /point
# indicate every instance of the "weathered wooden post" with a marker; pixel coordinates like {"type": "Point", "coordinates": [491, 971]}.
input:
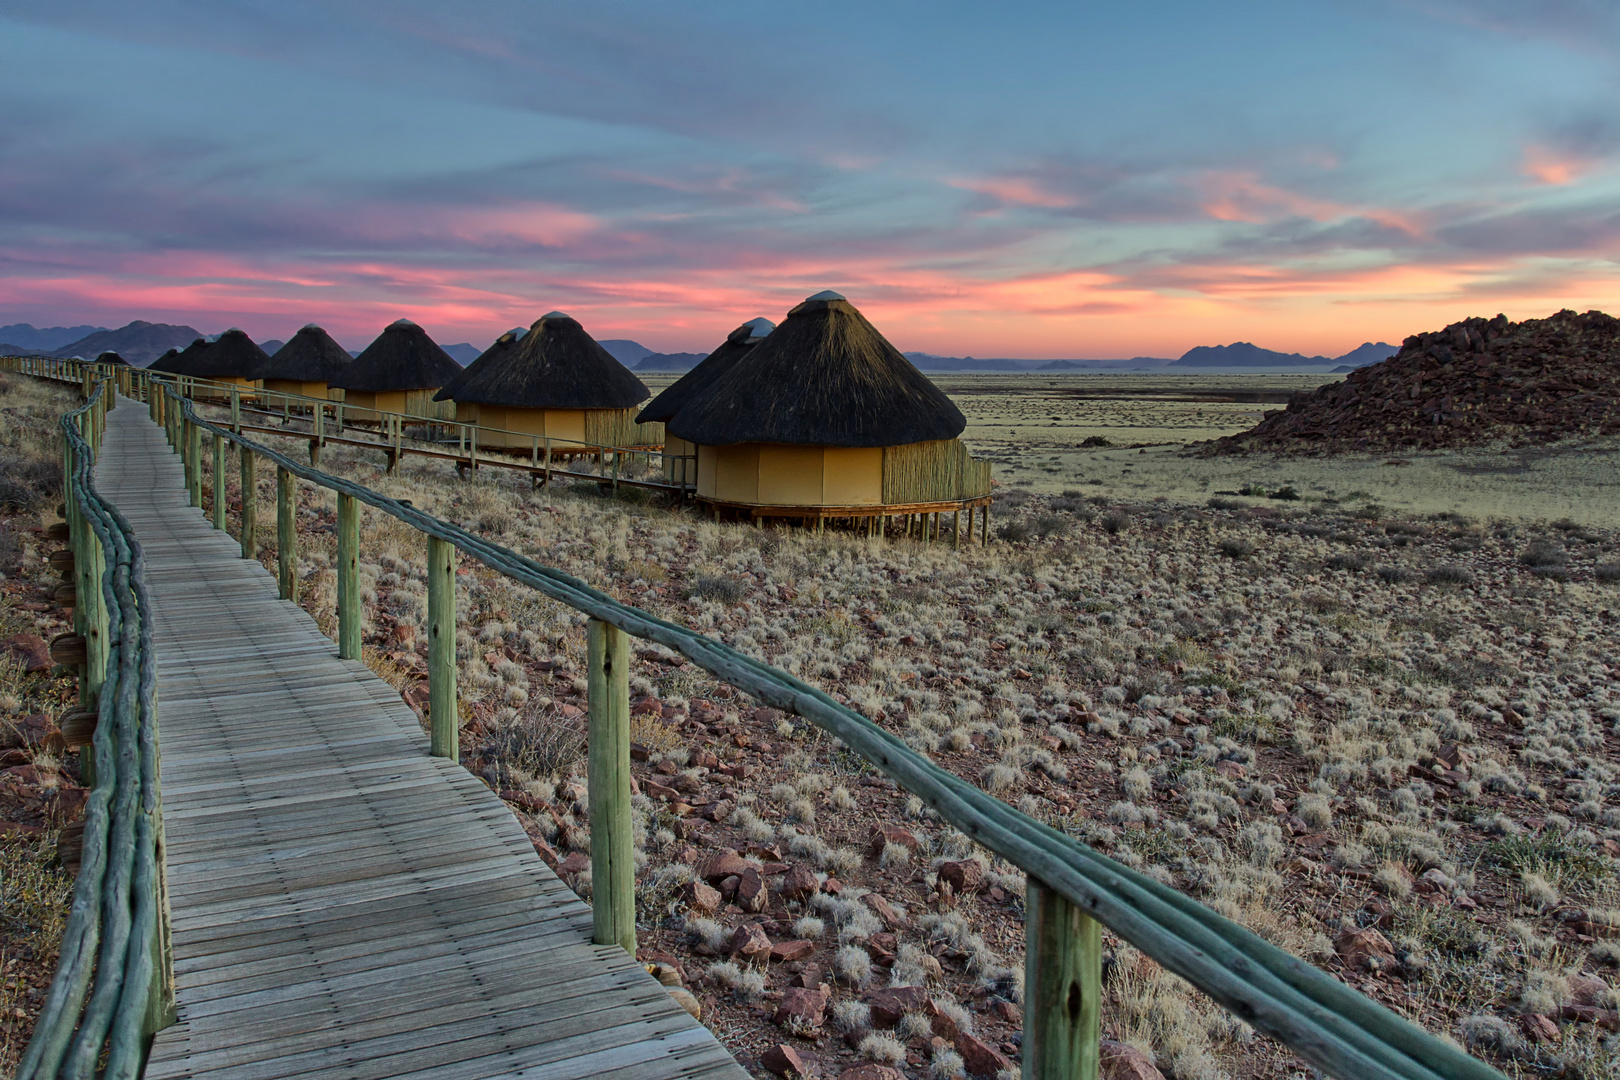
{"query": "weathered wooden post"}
{"type": "Point", "coordinates": [444, 734]}
{"type": "Point", "coordinates": [250, 504]}
{"type": "Point", "coordinates": [236, 410]}
{"type": "Point", "coordinates": [219, 482]}
{"type": "Point", "coordinates": [287, 534]}
{"type": "Point", "coordinates": [613, 866]}
{"type": "Point", "coordinates": [1062, 987]}
{"type": "Point", "coordinates": [194, 462]}
{"type": "Point", "coordinates": [348, 576]}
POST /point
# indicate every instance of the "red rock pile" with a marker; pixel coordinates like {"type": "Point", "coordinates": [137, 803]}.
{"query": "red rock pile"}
{"type": "Point", "coordinates": [1476, 381]}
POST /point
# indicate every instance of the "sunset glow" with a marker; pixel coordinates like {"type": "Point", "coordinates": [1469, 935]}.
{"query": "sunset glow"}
{"type": "Point", "coordinates": [1076, 192]}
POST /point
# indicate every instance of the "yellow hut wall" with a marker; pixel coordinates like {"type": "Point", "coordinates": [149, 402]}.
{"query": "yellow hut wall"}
{"type": "Point", "coordinates": [677, 470]}
{"type": "Point", "coordinates": [770, 474]}
{"type": "Point", "coordinates": [295, 386]}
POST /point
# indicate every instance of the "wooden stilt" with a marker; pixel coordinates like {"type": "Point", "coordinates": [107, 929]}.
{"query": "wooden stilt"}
{"type": "Point", "coordinates": [613, 867]}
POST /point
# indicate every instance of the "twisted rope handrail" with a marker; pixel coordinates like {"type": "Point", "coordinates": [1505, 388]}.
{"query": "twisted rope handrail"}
{"type": "Point", "coordinates": [1327, 1023]}
{"type": "Point", "coordinates": [113, 919]}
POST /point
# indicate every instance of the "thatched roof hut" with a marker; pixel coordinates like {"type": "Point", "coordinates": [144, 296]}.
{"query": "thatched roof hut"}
{"type": "Point", "coordinates": [825, 377]}
{"type": "Point", "coordinates": [111, 357]}
{"type": "Point", "coordinates": [501, 346]}
{"type": "Point", "coordinates": [555, 382]}
{"type": "Point", "coordinates": [402, 357]}
{"type": "Point", "coordinates": [398, 372]}
{"type": "Point", "coordinates": [556, 365]}
{"type": "Point", "coordinates": [311, 356]}
{"type": "Point", "coordinates": [232, 358]}
{"type": "Point", "coordinates": [825, 416]}
{"type": "Point", "coordinates": [737, 345]}
{"type": "Point", "coordinates": [180, 362]}
{"type": "Point", "coordinates": [166, 362]}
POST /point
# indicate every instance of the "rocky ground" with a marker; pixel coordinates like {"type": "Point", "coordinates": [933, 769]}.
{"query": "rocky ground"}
{"type": "Point", "coordinates": [1476, 381]}
{"type": "Point", "coordinates": [1386, 743]}
{"type": "Point", "coordinates": [41, 802]}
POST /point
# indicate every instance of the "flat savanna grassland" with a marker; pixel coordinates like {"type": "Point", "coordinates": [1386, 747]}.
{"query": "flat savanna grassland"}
{"type": "Point", "coordinates": [1379, 734]}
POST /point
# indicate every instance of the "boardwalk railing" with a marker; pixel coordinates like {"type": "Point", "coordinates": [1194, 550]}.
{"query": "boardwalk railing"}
{"type": "Point", "coordinates": [476, 444]}
{"type": "Point", "coordinates": [113, 987]}
{"type": "Point", "coordinates": [1071, 888]}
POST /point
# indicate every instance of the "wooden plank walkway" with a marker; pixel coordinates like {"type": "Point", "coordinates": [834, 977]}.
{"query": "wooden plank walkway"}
{"type": "Point", "coordinates": [343, 904]}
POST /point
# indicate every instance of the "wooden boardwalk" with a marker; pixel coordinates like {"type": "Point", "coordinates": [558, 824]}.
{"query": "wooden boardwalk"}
{"type": "Point", "coordinates": [344, 905]}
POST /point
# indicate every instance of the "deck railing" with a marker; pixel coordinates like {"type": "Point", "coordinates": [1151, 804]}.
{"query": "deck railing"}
{"type": "Point", "coordinates": [476, 445]}
{"type": "Point", "coordinates": [1071, 888]}
{"type": "Point", "coordinates": [113, 987]}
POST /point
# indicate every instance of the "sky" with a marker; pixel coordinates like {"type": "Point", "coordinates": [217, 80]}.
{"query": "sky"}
{"type": "Point", "coordinates": [1024, 179]}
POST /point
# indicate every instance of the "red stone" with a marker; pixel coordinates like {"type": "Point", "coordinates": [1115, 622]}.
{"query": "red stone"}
{"type": "Point", "coordinates": [890, 1004]}
{"type": "Point", "coordinates": [871, 1071]}
{"type": "Point", "coordinates": [785, 951]}
{"type": "Point", "coordinates": [884, 835]}
{"type": "Point", "coordinates": [577, 862]}
{"type": "Point", "coordinates": [808, 1007]}
{"type": "Point", "coordinates": [700, 897]}
{"type": "Point", "coordinates": [964, 876]}
{"type": "Point", "coordinates": [721, 865]}
{"type": "Point", "coordinates": [784, 1060]}
{"type": "Point", "coordinates": [798, 883]}
{"type": "Point", "coordinates": [749, 941]}
{"type": "Point", "coordinates": [1117, 1061]}
{"type": "Point", "coordinates": [31, 650]}
{"type": "Point", "coordinates": [980, 1057]}
{"type": "Point", "coordinates": [886, 911]}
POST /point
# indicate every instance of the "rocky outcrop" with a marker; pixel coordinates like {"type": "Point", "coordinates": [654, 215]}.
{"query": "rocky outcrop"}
{"type": "Point", "coordinates": [1475, 381]}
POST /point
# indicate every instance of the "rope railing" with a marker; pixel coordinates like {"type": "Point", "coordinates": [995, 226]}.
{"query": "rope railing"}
{"type": "Point", "coordinates": [113, 986]}
{"type": "Point", "coordinates": [1071, 887]}
{"type": "Point", "coordinates": [478, 443]}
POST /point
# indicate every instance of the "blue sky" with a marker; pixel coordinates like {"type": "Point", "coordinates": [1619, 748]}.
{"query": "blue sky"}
{"type": "Point", "coordinates": [1013, 180]}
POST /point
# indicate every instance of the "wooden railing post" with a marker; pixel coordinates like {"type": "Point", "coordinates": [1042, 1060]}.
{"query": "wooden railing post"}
{"type": "Point", "coordinates": [443, 722]}
{"type": "Point", "coordinates": [194, 462]}
{"type": "Point", "coordinates": [348, 576]}
{"type": "Point", "coordinates": [236, 410]}
{"type": "Point", "coordinates": [250, 504]}
{"type": "Point", "coordinates": [219, 482]}
{"type": "Point", "coordinates": [1062, 987]}
{"type": "Point", "coordinates": [613, 867]}
{"type": "Point", "coordinates": [287, 534]}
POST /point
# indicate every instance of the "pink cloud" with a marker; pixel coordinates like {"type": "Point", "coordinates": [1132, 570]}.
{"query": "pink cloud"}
{"type": "Point", "coordinates": [1237, 195]}
{"type": "Point", "coordinates": [1014, 189]}
{"type": "Point", "coordinates": [1546, 165]}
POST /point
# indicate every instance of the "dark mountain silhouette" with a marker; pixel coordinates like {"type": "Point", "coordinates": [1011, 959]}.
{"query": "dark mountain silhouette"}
{"type": "Point", "coordinates": [272, 346]}
{"type": "Point", "coordinates": [1373, 352]}
{"type": "Point", "coordinates": [627, 352]}
{"type": "Point", "coordinates": [32, 339]}
{"type": "Point", "coordinates": [1242, 354]}
{"type": "Point", "coordinates": [669, 361]}
{"type": "Point", "coordinates": [140, 342]}
{"type": "Point", "coordinates": [463, 352]}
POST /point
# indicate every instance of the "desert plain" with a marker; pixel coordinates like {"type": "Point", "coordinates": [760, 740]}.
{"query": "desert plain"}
{"type": "Point", "coordinates": [1362, 704]}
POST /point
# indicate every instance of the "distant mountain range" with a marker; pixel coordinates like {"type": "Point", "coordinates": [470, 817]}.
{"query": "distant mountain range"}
{"type": "Point", "coordinates": [43, 339]}
{"type": "Point", "coordinates": [140, 342]}
{"type": "Point", "coordinates": [1242, 354]}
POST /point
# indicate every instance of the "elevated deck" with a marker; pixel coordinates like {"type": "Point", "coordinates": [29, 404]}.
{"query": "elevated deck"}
{"type": "Point", "coordinates": [344, 905]}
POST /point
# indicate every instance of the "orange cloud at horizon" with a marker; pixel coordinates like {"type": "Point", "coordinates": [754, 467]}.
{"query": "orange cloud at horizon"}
{"type": "Point", "coordinates": [1154, 310]}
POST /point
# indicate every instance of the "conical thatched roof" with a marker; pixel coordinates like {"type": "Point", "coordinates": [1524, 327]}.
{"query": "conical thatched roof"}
{"type": "Point", "coordinates": [738, 344]}
{"type": "Point", "coordinates": [825, 377]}
{"type": "Point", "coordinates": [557, 365]}
{"type": "Point", "coordinates": [180, 363]}
{"type": "Point", "coordinates": [503, 345]}
{"type": "Point", "coordinates": [311, 356]}
{"type": "Point", "coordinates": [233, 356]}
{"type": "Point", "coordinates": [110, 357]}
{"type": "Point", "coordinates": [166, 362]}
{"type": "Point", "coordinates": [402, 358]}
